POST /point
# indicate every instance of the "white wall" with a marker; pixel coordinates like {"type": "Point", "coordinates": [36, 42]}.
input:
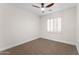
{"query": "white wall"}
{"type": "Point", "coordinates": [17, 26]}
{"type": "Point", "coordinates": [68, 26]}
{"type": "Point", "coordinates": [77, 29]}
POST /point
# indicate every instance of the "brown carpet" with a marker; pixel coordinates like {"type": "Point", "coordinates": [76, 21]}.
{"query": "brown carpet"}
{"type": "Point", "coordinates": [43, 47]}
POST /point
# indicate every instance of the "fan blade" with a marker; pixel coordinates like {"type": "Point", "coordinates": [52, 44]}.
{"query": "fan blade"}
{"type": "Point", "coordinates": [35, 6]}
{"type": "Point", "coordinates": [49, 5]}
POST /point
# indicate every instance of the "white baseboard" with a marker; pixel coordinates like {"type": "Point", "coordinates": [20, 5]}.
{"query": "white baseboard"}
{"type": "Point", "coordinates": [60, 41]}
{"type": "Point", "coordinates": [11, 46]}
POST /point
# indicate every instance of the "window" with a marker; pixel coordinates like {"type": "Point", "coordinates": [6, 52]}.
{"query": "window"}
{"type": "Point", "coordinates": [54, 25]}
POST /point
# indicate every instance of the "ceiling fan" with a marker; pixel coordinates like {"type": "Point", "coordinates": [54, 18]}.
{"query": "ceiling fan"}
{"type": "Point", "coordinates": [43, 6]}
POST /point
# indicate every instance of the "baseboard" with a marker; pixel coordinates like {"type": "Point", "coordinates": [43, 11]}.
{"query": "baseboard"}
{"type": "Point", "coordinates": [60, 41]}
{"type": "Point", "coordinates": [11, 46]}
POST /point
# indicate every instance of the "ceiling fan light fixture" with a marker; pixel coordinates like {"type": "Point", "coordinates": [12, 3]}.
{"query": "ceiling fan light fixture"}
{"type": "Point", "coordinates": [42, 9]}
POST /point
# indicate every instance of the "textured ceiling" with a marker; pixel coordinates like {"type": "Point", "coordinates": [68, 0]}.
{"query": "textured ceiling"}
{"type": "Point", "coordinates": [56, 7]}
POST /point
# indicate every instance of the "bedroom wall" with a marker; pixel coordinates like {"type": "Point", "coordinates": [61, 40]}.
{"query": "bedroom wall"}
{"type": "Point", "coordinates": [17, 26]}
{"type": "Point", "coordinates": [77, 28]}
{"type": "Point", "coordinates": [68, 31]}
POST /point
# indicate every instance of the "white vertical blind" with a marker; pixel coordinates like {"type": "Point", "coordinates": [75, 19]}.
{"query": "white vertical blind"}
{"type": "Point", "coordinates": [48, 25]}
{"type": "Point", "coordinates": [59, 24]}
{"type": "Point", "coordinates": [54, 25]}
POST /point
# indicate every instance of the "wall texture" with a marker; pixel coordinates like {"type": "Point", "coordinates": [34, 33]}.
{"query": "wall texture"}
{"type": "Point", "coordinates": [67, 34]}
{"type": "Point", "coordinates": [17, 26]}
